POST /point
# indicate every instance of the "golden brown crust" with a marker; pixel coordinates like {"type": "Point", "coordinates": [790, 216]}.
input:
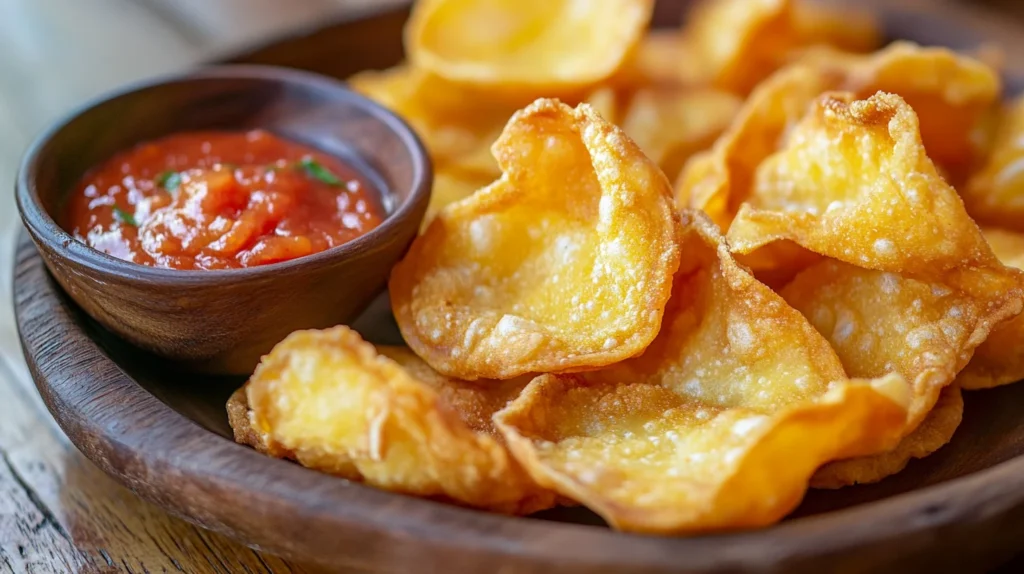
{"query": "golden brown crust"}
{"type": "Point", "coordinates": [564, 264]}
{"type": "Point", "coordinates": [719, 424]}
{"type": "Point", "coordinates": [934, 433]}
{"type": "Point", "coordinates": [238, 418]}
{"type": "Point", "coordinates": [329, 401]}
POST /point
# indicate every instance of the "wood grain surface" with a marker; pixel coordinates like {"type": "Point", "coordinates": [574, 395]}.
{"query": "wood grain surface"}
{"type": "Point", "coordinates": [58, 512]}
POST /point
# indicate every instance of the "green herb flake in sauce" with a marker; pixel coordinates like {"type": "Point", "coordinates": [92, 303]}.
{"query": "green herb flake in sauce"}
{"type": "Point", "coordinates": [125, 217]}
{"type": "Point", "coordinates": [169, 180]}
{"type": "Point", "coordinates": [316, 170]}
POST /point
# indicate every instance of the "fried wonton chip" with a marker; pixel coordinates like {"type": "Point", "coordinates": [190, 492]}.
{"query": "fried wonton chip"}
{"type": "Point", "coordinates": [925, 331]}
{"type": "Point", "coordinates": [1000, 359]}
{"type": "Point", "coordinates": [950, 94]}
{"type": "Point", "coordinates": [563, 264]}
{"type": "Point", "coordinates": [552, 46]}
{"type": "Point", "coordinates": [935, 432]}
{"type": "Point", "coordinates": [740, 42]}
{"type": "Point", "coordinates": [718, 425]}
{"type": "Point", "coordinates": [671, 124]}
{"type": "Point", "coordinates": [457, 125]}
{"type": "Point", "coordinates": [854, 183]}
{"type": "Point", "coordinates": [718, 181]}
{"type": "Point", "coordinates": [327, 400]}
{"type": "Point", "coordinates": [995, 194]}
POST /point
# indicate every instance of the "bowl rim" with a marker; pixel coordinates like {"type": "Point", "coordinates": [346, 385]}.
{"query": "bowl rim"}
{"type": "Point", "coordinates": [44, 229]}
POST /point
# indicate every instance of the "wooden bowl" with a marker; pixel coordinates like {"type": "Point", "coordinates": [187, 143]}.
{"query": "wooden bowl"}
{"type": "Point", "coordinates": [166, 437]}
{"type": "Point", "coordinates": [222, 321]}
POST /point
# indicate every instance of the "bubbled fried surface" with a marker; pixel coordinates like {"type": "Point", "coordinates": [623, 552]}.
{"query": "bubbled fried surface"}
{"type": "Point", "coordinates": [565, 263]}
{"type": "Point", "coordinates": [854, 182]}
{"type": "Point", "coordinates": [329, 401]}
{"type": "Point", "coordinates": [719, 180]}
{"type": "Point", "coordinates": [950, 93]}
{"type": "Point", "coordinates": [715, 411]}
{"type": "Point", "coordinates": [925, 331]}
{"type": "Point", "coordinates": [719, 424]}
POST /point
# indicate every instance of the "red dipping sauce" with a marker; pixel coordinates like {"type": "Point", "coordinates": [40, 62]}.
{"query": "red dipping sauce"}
{"type": "Point", "coordinates": [220, 200]}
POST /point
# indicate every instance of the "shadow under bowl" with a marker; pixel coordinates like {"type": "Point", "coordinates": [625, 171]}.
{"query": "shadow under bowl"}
{"type": "Point", "coordinates": [223, 321]}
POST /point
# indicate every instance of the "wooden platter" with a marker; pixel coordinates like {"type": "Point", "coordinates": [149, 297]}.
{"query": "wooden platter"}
{"type": "Point", "coordinates": [164, 433]}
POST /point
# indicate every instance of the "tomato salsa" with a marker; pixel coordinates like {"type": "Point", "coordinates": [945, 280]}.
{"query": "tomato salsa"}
{"type": "Point", "coordinates": [220, 200]}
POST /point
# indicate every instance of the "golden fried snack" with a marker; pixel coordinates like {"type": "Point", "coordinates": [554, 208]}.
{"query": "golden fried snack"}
{"type": "Point", "coordinates": [718, 181]}
{"type": "Point", "coordinates": [718, 425]}
{"type": "Point", "coordinates": [760, 36]}
{"type": "Point", "coordinates": [925, 331]}
{"type": "Point", "coordinates": [327, 400]}
{"type": "Point", "coordinates": [739, 43]}
{"type": "Point", "coordinates": [935, 432]}
{"type": "Point", "coordinates": [854, 183]}
{"type": "Point", "coordinates": [563, 264]}
{"type": "Point", "coordinates": [995, 194]}
{"type": "Point", "coordinates": [671, 124]}
{"type": "Point", "coordinates": [950, 94]}
{"type": "Point", "coordinates": [1000, 359]}
{"type": "Point", "coordinates": [550, 46]}
{"type": "Point", "coordinates": [457, 125]}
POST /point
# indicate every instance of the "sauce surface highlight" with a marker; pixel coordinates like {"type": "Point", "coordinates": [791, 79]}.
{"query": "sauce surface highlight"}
{"type": "Point", "coordinates": [220, 200]}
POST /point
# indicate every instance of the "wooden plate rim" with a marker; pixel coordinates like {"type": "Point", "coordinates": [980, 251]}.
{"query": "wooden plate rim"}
{"type": "Point", "coordinates": [397, 531]}
{"type": "Point", "coordinates": [106, 428]}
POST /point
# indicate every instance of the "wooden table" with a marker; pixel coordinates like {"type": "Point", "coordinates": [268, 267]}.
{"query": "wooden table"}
{"type": "Point", "coordinates": [58, 512]}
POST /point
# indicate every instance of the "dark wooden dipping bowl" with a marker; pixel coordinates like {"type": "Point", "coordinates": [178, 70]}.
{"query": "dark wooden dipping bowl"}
{"type": "Point", "coordinates": [222, 321]}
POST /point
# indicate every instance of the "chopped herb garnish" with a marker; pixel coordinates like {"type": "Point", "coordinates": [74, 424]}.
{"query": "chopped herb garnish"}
{"type": "Point", "coordinates": [316, 170]}
{"type": "Point", "coordinates": [125, 217]}
{"type": "Point", "coordinates": [169, 180]}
